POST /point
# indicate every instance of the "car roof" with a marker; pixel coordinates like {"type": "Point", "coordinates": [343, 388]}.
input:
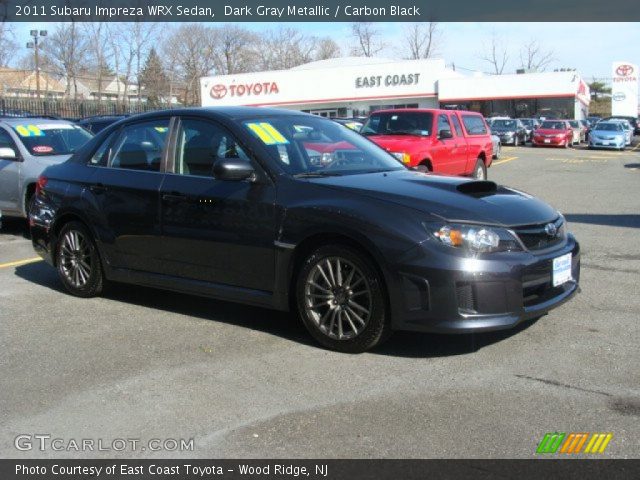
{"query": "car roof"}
{"type": "Point", "coordinates": [13, 121]}
{"type": "Point", "coordinates": [232, 113]}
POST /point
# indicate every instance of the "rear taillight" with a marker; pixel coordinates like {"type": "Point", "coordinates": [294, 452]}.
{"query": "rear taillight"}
{"type": "Point", "coordinates": [41, 183]}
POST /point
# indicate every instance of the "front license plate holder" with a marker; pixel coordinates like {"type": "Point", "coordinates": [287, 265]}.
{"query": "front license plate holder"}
{"type": "Point", "coordinates": [561, 270]}
{"type": "Point", "coordinates": [546, 140]}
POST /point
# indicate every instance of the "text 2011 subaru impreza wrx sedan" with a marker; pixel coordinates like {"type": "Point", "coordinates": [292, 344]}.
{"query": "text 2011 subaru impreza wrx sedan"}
{"type": "Point", "coordinates": [286, 210]}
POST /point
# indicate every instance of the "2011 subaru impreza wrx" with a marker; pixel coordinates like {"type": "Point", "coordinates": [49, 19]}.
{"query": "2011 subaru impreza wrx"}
{"type": "Point", "coordinates": [286, 210]}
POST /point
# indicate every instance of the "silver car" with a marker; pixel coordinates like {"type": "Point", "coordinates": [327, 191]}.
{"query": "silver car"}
{"type": "Point", "coordinates": [626, 126]}
{"type": "Point", "coordinates": [27, 147]}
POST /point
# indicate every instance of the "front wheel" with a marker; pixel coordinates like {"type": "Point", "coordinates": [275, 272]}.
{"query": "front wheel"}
{"type": "Point", "coordinates": [480, 170]}
{"type": "Point", "coordinates": [341, 299]}
{"type": "Point", "coordinates": [496, 154]}
{"type": "Point", "coordinates": [78, 262]}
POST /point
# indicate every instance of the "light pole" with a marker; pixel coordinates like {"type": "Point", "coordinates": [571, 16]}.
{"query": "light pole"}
{"type": "Point", "coordinates": [36, 35]}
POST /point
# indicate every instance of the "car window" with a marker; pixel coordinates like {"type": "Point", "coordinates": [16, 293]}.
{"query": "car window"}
{"type": "Point", "coordinates": [140, 146]}
{"type": "Point", "coordinates": [456, 125]}
{"type": "Point", "coordinates": [101, 156]}
{"type": "Point", "coordinates": [474, 125]}
{"type": "Point", "coordinates": [399, 123]}
{"type": "Point", "coordinates": [43, 138]}
{"type": "Point", "coordinates": [6, 141]}
{"type": "Point", "coordinates": [200, 144]}
{"type": "Point", "coordinates": [443, 124]}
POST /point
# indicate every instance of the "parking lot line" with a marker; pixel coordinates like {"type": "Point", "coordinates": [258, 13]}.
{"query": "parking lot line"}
{"type": "Point", "coordinates": [504, 160]}
{"type": "Point", "coordinates": [18, 263]}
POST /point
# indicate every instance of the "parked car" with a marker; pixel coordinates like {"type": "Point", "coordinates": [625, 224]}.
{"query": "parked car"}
{"type": "Point", "coordinates": [27, 147]}
{"type": "Point", "coordinates": [628, 129]}
{"type": "Point", "coordinates": [228, 205]}
{"type": "Point", "coordinates": [586, 126]}
{"type": "Point", "coordinates": [99, 122]}
{"type": "Point", "coordinates": [553, 133]}
{"type": "Point", "coordinates": [579, 133]}
{"type": "Point", "coordinates": [530, 124]}
{"type": "Point", "coordinates": [593, 119]}
{"type": "Point", "coordinates": [607, 135]}
{"type": "Point", "coordinates": [454, 142]}
{"type": "Point", "coordinates": [632, 120]}
{"type": "Point", "coordinates": [496, 147]}
{"type": "Point", "coordinates": [351, 123]}
{"type": "Point", "coordinates": [511, 132]}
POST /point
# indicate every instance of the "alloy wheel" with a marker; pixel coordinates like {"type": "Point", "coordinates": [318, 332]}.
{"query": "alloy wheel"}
{"type": "Point", "coordinates": [75, 258]}
{"type": "Point", "coordinates": [337, 297]}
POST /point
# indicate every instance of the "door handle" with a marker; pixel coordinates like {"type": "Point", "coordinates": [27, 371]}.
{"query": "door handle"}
{"type": "Point", "coordinates": [175, 197]}
{"type": "Point", "coordinates": [98, 188]}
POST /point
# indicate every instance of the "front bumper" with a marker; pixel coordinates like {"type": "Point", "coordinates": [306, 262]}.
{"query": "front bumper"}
{"type": "Point", "coordinates": [553, 141]}
{"type": "Point", "coordinates": [453, 294]}
{"type": "Point", "coordinates": [603, 143]}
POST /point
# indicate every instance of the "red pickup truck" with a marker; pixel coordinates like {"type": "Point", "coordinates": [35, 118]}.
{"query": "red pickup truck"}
{"type": "Point", "coordinates": [453, 142]}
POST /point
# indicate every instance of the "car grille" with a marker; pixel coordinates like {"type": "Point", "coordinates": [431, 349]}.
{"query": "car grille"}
{"type": "Point", "coordinates": [535, 237]}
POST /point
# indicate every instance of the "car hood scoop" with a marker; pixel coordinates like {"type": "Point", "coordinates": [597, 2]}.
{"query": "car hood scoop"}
{"type": "Point", "coordinates": [478, 187]}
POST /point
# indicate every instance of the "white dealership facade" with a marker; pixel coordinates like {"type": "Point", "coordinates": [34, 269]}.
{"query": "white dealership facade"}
{"type": "Point", "coordinates": [355, 86]}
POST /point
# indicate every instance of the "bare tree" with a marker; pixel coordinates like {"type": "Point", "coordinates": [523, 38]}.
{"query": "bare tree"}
{"type": "Point", "coordinates": [496, 55]}
{"type": "Point", "coordinates": [285, 48]}
{"type": "Point", "coordinates": [368, 38]}
{"type": "Point", "coordinates": [66, 50]}
{"type": "Point", "coordinates": [189, 55]}
{"type": "Point", "coordinates": [534, 57]}
{"type": "Point", "coordinates": [326, 48]}
{"type": "Point", "coordinates": [100, 53]}
{"type": "Point", "coordinates": [7, 44]}
{"type": "Point", "coordinates": [422, 40]}
{"type": "Point", "coordinates": [233, 49]}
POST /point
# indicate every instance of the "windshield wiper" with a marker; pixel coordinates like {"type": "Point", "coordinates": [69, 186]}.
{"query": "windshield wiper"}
{"type": "Point", "coordinates": [316, 174]}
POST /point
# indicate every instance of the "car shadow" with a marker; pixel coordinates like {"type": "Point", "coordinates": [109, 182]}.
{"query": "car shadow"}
{"type": "Point", "coordinates": [15, 226]}
{"type": "Point", "coordinates": [632, 166]}
{"type": "Point", "coordinates": [281, 324]}
{"type": "Point", "coordinates": [609, 220]}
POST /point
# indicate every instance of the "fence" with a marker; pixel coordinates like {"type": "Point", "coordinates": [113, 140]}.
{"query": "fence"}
{"type": "Point", "coordinates": [70, 109]}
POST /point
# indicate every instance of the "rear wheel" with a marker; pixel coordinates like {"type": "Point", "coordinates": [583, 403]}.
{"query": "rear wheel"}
{"type": "Point", "coordinates": [480, 170]}
{"type": "Point", "coordinates": [78, 262]}
{"type": "Point", "coordinates": [341, 299]}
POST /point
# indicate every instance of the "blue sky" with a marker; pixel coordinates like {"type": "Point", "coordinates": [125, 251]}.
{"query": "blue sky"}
{"type": "Point", "coordinates": [589, 47]}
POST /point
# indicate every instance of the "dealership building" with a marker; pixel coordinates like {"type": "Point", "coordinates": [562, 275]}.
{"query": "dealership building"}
{"type": "Point", "coordinates": [356, 86]}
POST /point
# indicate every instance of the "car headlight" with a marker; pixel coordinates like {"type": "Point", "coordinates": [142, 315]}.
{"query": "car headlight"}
{"type": "Point", "coordinates": [403, 157]}
{"type": "Point", "coordinates": [475, 238]}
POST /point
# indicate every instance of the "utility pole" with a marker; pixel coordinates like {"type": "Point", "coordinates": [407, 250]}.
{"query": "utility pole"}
{"type": "Point", "coordinates": [36, 35]}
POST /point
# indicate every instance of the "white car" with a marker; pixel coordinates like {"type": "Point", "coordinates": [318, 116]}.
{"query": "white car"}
{"type": "Point", "coordinates": [628, 129]}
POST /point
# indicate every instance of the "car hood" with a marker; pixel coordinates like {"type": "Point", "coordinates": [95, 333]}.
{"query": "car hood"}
{"type": "Point", "coordinates": [393, 143]}
{"type": "Point", "coordinates": [606, 133]}
{"type": "Point", "coordinates": [454, 199]}
{"type": "Point", "coordinates": [549, 131]}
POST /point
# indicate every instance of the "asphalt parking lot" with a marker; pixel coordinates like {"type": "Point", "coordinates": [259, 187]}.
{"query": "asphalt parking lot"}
{"type": "Point", "coordinates": [246, 382]}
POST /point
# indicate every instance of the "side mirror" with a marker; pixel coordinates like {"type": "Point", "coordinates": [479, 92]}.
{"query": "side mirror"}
{"type": "Point", "coordinates": [233, 169]}
{"type": "Point", "coordinates": [445, 134]}
{"type": "Point", "coordinates": [8, 154]}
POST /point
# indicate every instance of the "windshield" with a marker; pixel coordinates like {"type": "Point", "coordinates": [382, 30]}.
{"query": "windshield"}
{"type": "Point", "coordinates": [502, 124]}
{"type": "Point", "coordinates": [608, 127]}
{"type": "Point", "coordinates": [399, 123]}
{"type": "Point", "coordinates": [553, 125]}
{"type": "Point", "coordinates": [47, 139]}
{"type": "Point", "coordinates": [312, 146]}
{"type": "Point", "coordinates": [527, 122]}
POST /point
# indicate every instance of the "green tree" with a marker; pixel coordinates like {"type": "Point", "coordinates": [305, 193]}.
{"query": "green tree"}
{"type": "Point", "coordinates": [598, 88]}
{"type": "Point", "coordinates": [154, 80]}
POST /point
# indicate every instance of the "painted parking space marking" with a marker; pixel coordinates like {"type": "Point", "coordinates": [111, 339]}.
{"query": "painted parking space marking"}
{"type": "Point", "coordinates": [504, 160]}
{"type": "Point", "coordinates": [18, 263]}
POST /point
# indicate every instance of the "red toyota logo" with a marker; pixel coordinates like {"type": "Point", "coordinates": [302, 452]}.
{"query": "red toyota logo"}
{"type": "Point", "coordinates": [624, 70]}
{"type": "Point", "coordinates": [218, 91]}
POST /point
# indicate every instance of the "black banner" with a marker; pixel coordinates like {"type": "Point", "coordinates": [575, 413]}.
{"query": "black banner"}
{"type": "Point", "coordinates": [318, 10]}
{"type": "Point", "coordinates": [318, 469]}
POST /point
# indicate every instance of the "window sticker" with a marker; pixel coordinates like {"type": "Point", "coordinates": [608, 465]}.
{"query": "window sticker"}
{"type": "Point", "coordinates": [42, 149]}
{"type": "Point", "coordinates": [267, 133]}
{"type": "Point", "coordinates": [29, 131]}
{"type": "Point", "coordinates": [161, 129]}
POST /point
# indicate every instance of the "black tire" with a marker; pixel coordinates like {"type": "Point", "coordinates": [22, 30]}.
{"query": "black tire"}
{"type": "Point", "coordinates": [516, 141]}
{"type": "Point", "coordinates": [422, 168]}
{"type": "Point", "coordinates": [83, 261]}
{"type": "Point", "coordinates": [480, 170]}
{"type": "Point", "coordinates": [321, 322]}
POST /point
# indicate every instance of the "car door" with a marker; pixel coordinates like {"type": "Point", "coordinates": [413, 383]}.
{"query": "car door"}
{"type": "Point", "coordinates": [444, 161]}
{"type": "Point", "coordinates": [10, 178]}
{"type": "Point", "coordinates": [219, 231]}
{"type": "Point", "coordinates": [461, 150]}
{"type": "Point", "coordinates": [127, 193]}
